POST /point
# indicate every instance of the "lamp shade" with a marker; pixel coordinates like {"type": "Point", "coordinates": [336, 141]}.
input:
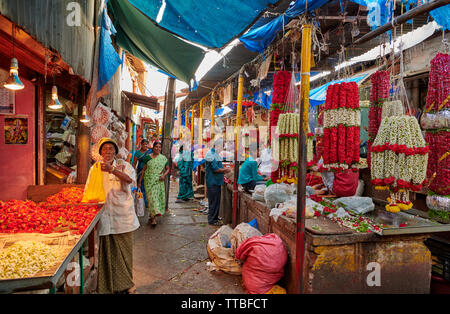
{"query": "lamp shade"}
{"type": "Point", "coordinates": [55, 103]}
{"type": "Point", "coordinates": [13, 82]}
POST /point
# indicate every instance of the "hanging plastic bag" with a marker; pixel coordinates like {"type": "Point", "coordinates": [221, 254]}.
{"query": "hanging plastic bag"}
{"type": "Point", "coordinates": [94, 191]}
{"type": "Point", "coordinates": [140, 204]}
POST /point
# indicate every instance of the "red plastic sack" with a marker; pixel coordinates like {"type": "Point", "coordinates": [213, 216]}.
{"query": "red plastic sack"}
{"type": "Point", "coordinates": [345, 183]}
{"type": "Point", "coordinates": [264, 259]}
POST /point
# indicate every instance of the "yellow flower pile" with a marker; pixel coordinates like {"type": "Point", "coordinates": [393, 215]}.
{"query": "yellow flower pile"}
{"type": "Point", "coordinates": [26, 258]}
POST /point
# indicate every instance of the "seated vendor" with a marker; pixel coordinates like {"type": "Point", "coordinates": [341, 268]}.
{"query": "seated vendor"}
{"type": "Point", "coordinates": [338, 184]}
{"type": "Point", "coordinates": [248, 174]}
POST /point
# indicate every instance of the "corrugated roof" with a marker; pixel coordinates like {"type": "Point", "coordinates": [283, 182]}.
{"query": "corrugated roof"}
{"type": "Point", "coordinates": [46, 21]}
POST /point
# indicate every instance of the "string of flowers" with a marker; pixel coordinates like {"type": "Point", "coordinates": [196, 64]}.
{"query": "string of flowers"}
{"type": "Point", "coordinates": [287, 130]}
{"type": "Point", "coordinates": [341, 127]}
{"type": "Point", "coordinates": [281, 83]}
{"type": "Point", "coordinates": [379, 93]}
{"type": "Point", "coordinates": [399, 160]}
{"type": "Point", "coordinates": [438, 96]}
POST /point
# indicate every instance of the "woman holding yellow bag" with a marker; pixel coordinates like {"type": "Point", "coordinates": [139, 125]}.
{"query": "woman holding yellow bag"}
{"type": "Point", "coordinates": [118, 221]}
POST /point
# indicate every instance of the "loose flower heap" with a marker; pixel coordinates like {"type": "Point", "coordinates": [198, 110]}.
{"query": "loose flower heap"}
{"type": "Point", "coordinates": [28, 217]}
{"type": "Point", "coordinates": [438, 102]}
{"type": "Point", "coordinates": [379, 93]}
{"type": "Point", "coordinates": [399, 160]}
{"type": "Point", "coordinates": [25, 259]}
{"type": "Point", "coordinates": [287, 130]}
{"type": "Point", "coordinates": [72, 195]}
{"type": "Point", "coordinates": [341, 127]}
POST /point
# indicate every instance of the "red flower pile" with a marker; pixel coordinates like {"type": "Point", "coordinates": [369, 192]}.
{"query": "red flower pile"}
{"type": "Point", "coordinates": [72, 195]}
{"type": "Point", "coordinates": [340, 146]}
{"type": "Point", "coordinates": [28, 217]}
{"type": "Point", "coordinates": [379, 93]}
{"type": "Point", "coordinates": [438, 96]}
{"type": "Point", "coordinates": [313, 179]}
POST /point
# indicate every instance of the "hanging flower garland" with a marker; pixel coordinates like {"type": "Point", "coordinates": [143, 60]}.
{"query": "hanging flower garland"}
{"type": "Point", "coordinates": [438, 96]}
{"type": "Point", "coordinates": [287, 130]}
{"type": "Point", "coordinates": [341, 127]}
{"type": "Point", "coordinates": [281, 82]}
{"type": "Point", "coordinates": [379, 93]}
{"type": "Point", "coordinates": [399, 160]}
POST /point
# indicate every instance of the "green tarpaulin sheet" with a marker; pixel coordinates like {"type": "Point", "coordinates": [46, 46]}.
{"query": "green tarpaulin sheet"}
{"type": "Point", "coordinates": [137, 34]}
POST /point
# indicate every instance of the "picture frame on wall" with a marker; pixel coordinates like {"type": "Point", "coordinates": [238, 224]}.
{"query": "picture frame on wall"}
{"type": "Point", "coordinates": [7, 102]}
{"type": "Point", "coordinates": [16, 130]}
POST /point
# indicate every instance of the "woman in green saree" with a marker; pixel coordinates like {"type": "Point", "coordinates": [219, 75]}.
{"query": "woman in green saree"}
{"type": "Point", "coordinates": [185, 164]}
{"type": "Point", "coordinates": [154, 174]}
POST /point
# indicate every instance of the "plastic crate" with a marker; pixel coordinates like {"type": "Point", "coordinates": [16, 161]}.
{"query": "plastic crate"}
{"type": "Point", "coordinates": [440, 254]}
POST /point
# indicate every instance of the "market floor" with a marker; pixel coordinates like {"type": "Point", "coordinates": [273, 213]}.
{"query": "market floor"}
{"type": "Point", "coordinates": [171, 258]}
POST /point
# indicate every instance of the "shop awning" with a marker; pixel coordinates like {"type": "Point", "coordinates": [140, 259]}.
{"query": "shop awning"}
{"type": "Point", "coordinates": [137, 34]}
{"type": "Point", "coordinates": [141, 100]}
{"type": "Point", "coordinates": [212, 23]}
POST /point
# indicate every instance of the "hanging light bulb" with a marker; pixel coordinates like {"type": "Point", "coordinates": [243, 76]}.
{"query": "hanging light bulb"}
{"type": "Point", "coordinates": [84, 117]}
{"type": "Point", "coordinates": [55, 103]}
{"type": "Point", "coordinates": [13, 82]}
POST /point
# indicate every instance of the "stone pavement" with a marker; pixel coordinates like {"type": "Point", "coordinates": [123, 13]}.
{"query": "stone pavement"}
{"type": "Point", "coordinates": [171, 257]}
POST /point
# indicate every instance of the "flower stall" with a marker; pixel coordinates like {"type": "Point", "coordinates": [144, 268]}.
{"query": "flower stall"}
{"type": "Point", "coordinates": [43, 238]}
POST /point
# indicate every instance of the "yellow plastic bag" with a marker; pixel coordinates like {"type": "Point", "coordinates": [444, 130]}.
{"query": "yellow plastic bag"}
{"type": "Point", "coordinates": [276, 290]}
{"type": "Point", "coordinates": [94, 191]}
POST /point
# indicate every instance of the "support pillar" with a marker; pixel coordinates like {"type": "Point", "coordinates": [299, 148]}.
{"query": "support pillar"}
{"type": "Point", "coordinates": [303, 127]}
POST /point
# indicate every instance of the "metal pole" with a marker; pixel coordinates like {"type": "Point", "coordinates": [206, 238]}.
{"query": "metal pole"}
{"type": "Point", "coordinates": [213, 115]}
{"type": "Point", "coordinates": [303, 128]}
{"type": "Point", "coordinates": [424, 8]}
{"type": "Point", "coordinates": [80, 252]}
{"type": "Point", "coordinates": [236, 135]}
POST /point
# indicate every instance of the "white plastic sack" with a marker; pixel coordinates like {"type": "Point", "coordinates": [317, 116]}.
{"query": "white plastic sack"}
{"type": "Point", "coordinates": [356, 204]}
{"type": "Point", "coordinates": [258, 193]}
{"type": "Point", "coordinates": [274, 194]}
{"type": "Point", "coordinates": [241, 233]}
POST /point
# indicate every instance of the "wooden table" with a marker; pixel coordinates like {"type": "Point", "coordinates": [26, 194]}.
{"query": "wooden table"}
{"type": "Point", "coordinates": [339, 260]}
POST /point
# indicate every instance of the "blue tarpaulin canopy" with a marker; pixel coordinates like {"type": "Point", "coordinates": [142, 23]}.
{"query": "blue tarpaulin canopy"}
{"type": "Point", "coordinates": [260, 38]}
{"type": "Point", "coordinates": [212, 23]}
{"type": "Point", "coordinates": [318, 95]}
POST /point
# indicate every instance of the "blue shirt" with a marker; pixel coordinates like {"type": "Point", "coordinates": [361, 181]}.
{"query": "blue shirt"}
{"type": "Point", "coordinates": [249, 172]}
{"type": "Point", "coordinates": [212, 177]}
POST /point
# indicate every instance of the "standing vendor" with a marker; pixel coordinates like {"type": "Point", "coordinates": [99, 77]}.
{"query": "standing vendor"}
{"type": "Point", "coordinates": [248, 174]}
{"type": "Point", "coordinates": [214, 181]}
{"type": "Point", "coordinates": [117, 223]}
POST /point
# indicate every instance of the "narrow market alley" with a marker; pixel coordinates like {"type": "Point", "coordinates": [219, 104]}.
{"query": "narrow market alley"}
{"type": "Point", "coordinates": [171, 258]}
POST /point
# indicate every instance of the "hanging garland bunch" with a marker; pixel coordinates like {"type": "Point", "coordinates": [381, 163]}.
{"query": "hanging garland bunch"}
{"type": "Point", "coordinates": [379, 93]}
{"type": "Point", "coordinates": [399, 160]}
{"type": "Point", "coordinates": [436, 122]}
{"type": "Point", "coordinates": [341, 127]}
{"type": "Point", "coordinates": [438, 96]}
{"type": "Point", "coordinates": [281, 82]}
{"type": "Point", "coordinates": [287, 130]}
